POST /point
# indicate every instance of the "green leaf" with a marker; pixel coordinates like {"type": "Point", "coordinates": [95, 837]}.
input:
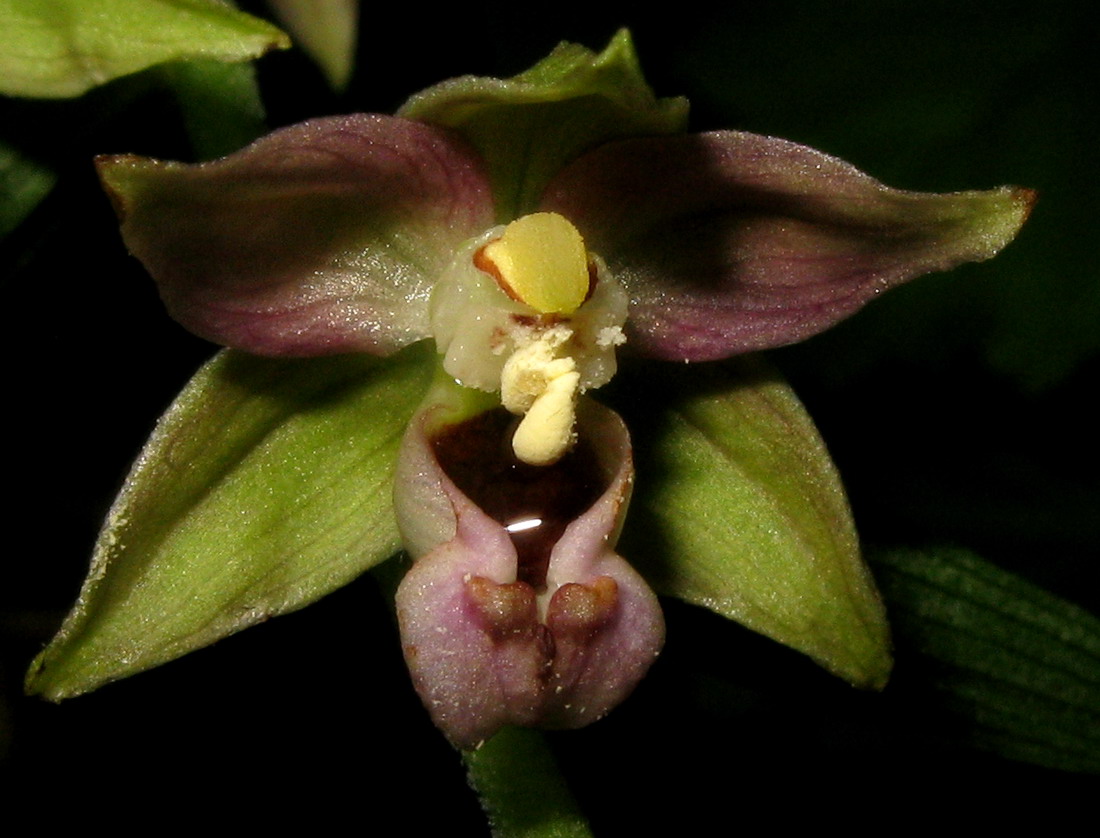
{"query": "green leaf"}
{"type": "Point", "coordinates": [1021, 665]}
{"type": "Point", "coordinates": [741, 511]}
{"type": "Point", "coordinates": [220, 103]}
{"type": "Point", "coordinates": [264, 487]}
{"type": "Point", "coordinates": [59, 48]}
{"type": "Point", "coordinates": [521, 790]}
{"type": "Point", "coordinates": [529, 126]}
{"type": "Point", "coordinates": [23, 183]}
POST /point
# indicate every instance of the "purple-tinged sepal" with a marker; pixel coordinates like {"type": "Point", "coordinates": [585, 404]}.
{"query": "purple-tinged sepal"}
{"type": "Point", "coordinates": [319, 239]}
{"type": "Point", "coordinates": [517, 610]}
{"type": "Point", "coordinates": [749, 242]}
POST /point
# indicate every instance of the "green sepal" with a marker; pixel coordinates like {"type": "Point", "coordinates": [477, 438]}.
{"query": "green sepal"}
{"type": "Point", "coordinates": [1019, 664]}
{"type": "Point", "coordinates": [62, 48]}
{"type": "Point", "coordinates": [521, 790]}
{"type": "Point", "coordinates": [265, 486]}
{"type": "Point", "coordinates": [529, 126]}
{"type": "Point", "coordinates": [739, 509]}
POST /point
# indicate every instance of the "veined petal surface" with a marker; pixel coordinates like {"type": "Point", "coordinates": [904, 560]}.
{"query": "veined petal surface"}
{"type": "Point", "coordinates": [731, 242]}
{"type": "Point", "coordinates": [322, 238]}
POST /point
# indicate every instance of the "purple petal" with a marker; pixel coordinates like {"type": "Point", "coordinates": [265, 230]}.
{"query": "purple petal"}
{"type": "Point", "coordinates": [321, 238]}
{"type": "Point", "coordinates": [731, 242]}
{"type": "Point", "coordinates": [487, 646]}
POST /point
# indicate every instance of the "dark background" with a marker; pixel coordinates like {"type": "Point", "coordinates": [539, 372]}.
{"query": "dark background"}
{"type": "Point", "coordinates": [959, 410]}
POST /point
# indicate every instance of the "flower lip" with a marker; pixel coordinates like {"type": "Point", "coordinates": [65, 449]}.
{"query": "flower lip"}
{"type": "Point", "coordinates": [534, 503]}
{"type": "Point", "coordinates": [497, 629]}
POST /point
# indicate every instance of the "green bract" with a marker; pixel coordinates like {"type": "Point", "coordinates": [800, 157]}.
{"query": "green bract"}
{"type": "Point", "coordinates": [264, 487]}
{"type": "Point", "coordinates": [59, 48]}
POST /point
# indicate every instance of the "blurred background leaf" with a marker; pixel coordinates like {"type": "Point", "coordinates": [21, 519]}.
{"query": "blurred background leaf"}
{"type": "Point", "coordinates": [1019, 664]}
{"type": "Point", "coordinates": [327, 30]}
{"type": "Point", "coordinates": [23, 183]}
{"type": "Point", "coordinates": [220, 104]}
{"type": "Point", "coordinates": [59, 48]}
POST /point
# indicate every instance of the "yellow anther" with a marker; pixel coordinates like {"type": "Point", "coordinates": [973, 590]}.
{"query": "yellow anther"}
{"type": "Point", "coordinates": [542, 261]}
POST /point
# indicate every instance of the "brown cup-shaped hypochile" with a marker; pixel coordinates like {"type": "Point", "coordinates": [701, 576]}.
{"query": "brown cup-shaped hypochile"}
{"type": "Point", "coordinates": [517, 610]}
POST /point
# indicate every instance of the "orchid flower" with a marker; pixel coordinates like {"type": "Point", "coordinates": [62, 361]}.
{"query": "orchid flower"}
{"type": "Point", "coordinates": [533, 229]}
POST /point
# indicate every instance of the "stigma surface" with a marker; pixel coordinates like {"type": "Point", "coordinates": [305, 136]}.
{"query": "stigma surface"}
{"type": "Point", "coordinates": [526, 310]}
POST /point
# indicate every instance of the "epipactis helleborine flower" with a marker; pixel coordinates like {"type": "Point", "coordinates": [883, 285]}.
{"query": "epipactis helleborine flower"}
{"type": "Point", "coordinates": [532, 228]}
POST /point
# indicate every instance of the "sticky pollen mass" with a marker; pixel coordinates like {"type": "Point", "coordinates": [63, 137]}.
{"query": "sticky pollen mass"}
{"type": "Point", "coordinates": [541, 261]}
